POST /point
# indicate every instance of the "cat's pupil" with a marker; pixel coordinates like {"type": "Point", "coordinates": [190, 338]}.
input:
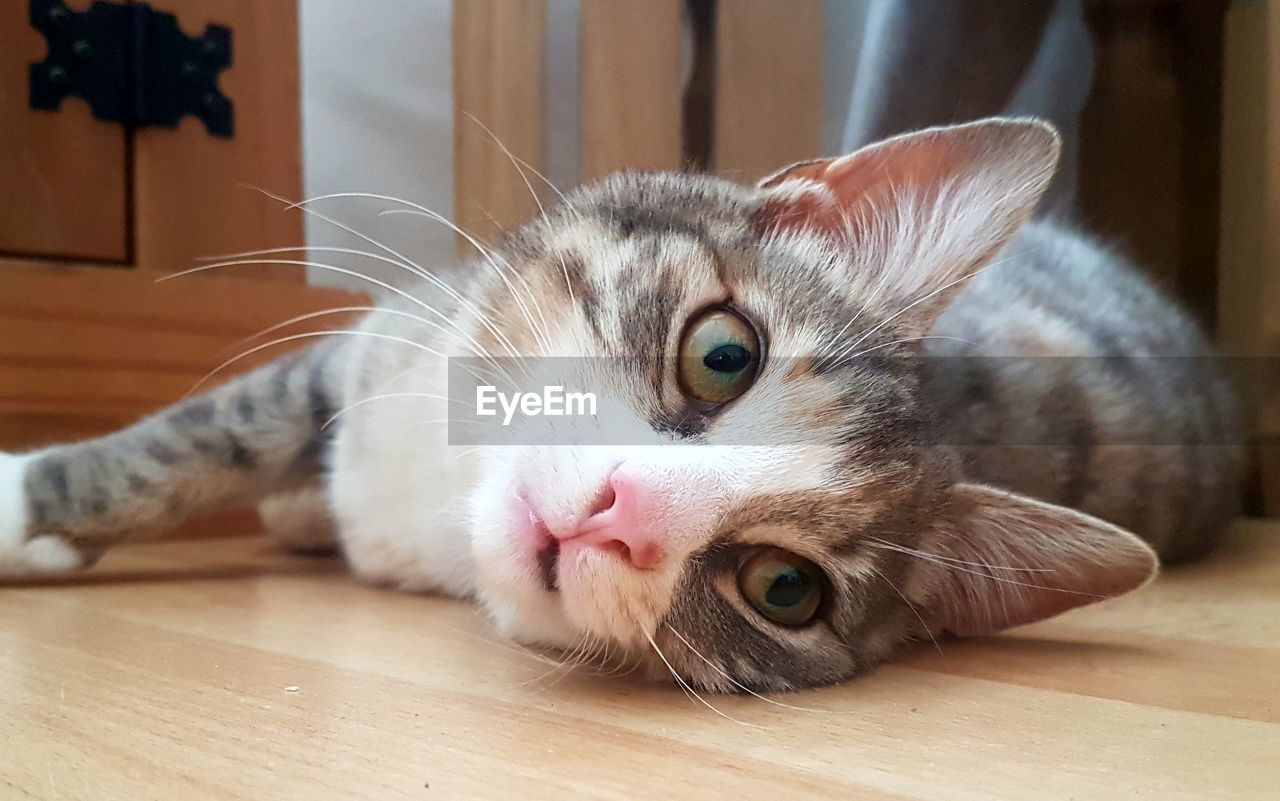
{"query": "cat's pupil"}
{"type": "Point", "coordinates": [727, 359]}
{"type": "Point", "coordinates": [788, 589]}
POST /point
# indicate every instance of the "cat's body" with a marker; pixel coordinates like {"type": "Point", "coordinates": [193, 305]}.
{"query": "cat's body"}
{"type": "Point", "coordinates": [1111, 402]}
{"type": "Point", "coordinates": [855, 455]}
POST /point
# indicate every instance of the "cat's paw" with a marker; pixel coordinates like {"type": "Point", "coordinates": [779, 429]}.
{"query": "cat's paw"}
{"type": "Point", "coordinates": [21, 553]}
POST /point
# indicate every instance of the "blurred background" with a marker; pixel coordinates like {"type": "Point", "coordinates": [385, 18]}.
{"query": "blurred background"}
{"type": "Point", "coordinates": [1170, 111]}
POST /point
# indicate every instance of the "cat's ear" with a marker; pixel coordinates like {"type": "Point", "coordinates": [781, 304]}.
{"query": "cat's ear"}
{"type": "Point", "coordinates": [923, 209]}
{"type": "Point", "coordinates": [1005, 560]}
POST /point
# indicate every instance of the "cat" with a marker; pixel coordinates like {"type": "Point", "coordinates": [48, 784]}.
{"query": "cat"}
{"type": "Point", "coordinates": [845, 434]}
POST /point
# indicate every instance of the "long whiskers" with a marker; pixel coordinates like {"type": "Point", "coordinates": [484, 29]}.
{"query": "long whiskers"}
{"type": "Point", "coordinates": [520, 165]}
{"type": "Point", "coordinates": [928, 296]}
{"type": "Point", "coordinates": [409, 263]}
{"type": "Point", "coordinates": [927, 555]}
{"type": "Point", "coordinates": [301, 318]}
{"type": "Point", "coordinates": [415, 270]}
{"type": "Point", "coordinates": [688, 689]}
{"type": "Point", "coordinates": [734, 681]}
{"type": "Point", "coordinates": [540, 333]}
{"type": "Point", "coordinates": [913, 609]}
{"type": "Point", "coordinates": [476, 347]}
{"type": "Point", "coordinates": [953, 566]}
{"type": "Point", "coordinates": [309, 335]}
{"type": "Point", "coordinates": [387, 396]}
{"type": "Point", "coordinates": [902, 341]}
{"type": "Point", "coordinates": [437, 217]}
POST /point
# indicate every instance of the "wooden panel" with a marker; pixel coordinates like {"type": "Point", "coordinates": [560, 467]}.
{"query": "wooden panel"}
{"type": "Point", "coordinates": [62, 174]}
{"type": "Point", "coordinates": [21, 431]}
{"type": "Point", "coordinates": [1272, 138]}
{"type": "Point", "coordinates": [194, 194]}
{"type": "Point", "coordinates": [1249, 255]}
{"type": "Point", "coordinates": [631, 93]}
{"type": "Point", "coordinates": [96, 348]}
{"type": "Point", "coordinates": [498, 84]}
{"type": "Point", "coordinates": [1149, 162]}
{"type": "Point", "coordinates": [1249, 288]}
{"type": "Point", "coordinates": [768, 103]}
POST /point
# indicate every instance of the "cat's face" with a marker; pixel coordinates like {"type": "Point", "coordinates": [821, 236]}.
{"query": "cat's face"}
{"type": "Point", "coordinates": [760, 346]}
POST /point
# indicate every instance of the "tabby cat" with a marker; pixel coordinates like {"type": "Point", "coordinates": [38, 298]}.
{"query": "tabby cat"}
{"type": "Point", "coordinates": [869, 403]}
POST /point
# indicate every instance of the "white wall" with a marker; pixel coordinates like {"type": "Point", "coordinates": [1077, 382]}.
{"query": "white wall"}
{"type": "Point", "coordinates": [377, 116]}
{"type": "Point", "coordinates": [377, 113]}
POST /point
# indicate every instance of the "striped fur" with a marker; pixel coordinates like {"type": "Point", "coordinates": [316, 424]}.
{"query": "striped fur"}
{"type": "Point", "coordinates": [879, 440]}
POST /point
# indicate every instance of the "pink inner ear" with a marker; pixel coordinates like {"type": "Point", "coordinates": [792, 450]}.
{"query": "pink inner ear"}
{"type": "Point", "coordinates": [833, 194]}
{"type": "Point", "coordinates": [992, 171]}
{"type": "Point", "coordinates": [1015, 560]}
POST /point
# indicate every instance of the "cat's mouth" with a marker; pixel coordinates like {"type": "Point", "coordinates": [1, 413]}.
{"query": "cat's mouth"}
{"type": "Point", "coordinates": [548, 562]}
{"type": "Point", "coordinates": [536, 540]}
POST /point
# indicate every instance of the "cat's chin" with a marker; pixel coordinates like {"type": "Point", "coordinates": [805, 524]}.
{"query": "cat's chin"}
{"type": "Point", "coordinates": [511, 590]}
{"type": "Point", "coordinates": [531, 621]}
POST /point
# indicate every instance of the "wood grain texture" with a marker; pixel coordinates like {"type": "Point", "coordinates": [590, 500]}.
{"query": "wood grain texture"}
{"type": "Point", "coordinates": [62, 174]}
{"type": "Point", "coordinates": [96, 347]}
{"type": "Point", "coordinates": [768, 104]}
{"type": "Point", "coordinates": [499, 84]}
{"type": "Point", "coordinates": [231, 671]}
{"type": "Point", "coordinates": [195, 194]}
{"type": "Point", "coordinates": [631, 92]}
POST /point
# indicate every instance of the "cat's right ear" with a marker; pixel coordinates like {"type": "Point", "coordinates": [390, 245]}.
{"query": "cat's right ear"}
{"type": "Point", "coordinates": [924, 208]}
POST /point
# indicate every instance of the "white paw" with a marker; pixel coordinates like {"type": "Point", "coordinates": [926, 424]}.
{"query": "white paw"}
{"type": "Point", "coordinates": [41, 556]}
{"type": "Point", "coordinates": [20, 556]}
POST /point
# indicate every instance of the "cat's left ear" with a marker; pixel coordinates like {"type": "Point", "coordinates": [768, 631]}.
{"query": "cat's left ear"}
{"type": "Point", "coordinates": [1005, 560]}
{"type": "Point", "coordinates": [921, 210]}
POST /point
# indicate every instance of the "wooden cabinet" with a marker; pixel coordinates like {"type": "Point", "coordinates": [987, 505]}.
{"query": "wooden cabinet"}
{"type": "Point", "coordinates": [63, 186]}
{"type": "Point", "coordinates": [92, 213]}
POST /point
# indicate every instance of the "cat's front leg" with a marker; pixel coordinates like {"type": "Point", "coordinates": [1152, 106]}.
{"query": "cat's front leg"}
{"type": "Point", "coordinates": [25, 551]}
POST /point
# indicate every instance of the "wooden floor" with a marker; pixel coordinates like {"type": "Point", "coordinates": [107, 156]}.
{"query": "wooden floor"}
{"type": "Point", "coordinates": [223, 669]}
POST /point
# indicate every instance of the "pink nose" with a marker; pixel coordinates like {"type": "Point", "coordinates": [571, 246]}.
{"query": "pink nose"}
{"type": "Point", "coordinates": [622, 522]}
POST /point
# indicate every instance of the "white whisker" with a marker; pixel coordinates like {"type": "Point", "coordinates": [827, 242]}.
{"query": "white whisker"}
{"type": "Point", "coordinates": [735, 682]}
{"type": "Point", "coordinates": [542, 334]}
{"type": "Point", "coordinates": [689, 689]}
{"type": "Point", "coordinates": [432, 215]}
{"type": "Point", "coordinates": [330, 268]}
{"type": "Point", "coordinates": [408, 263]}
{"type": "Point", "coordinates": [902, 341]}
{"type": "Point", "coordinates": [926, 554]}
{"type": "Point", "coordinates": [1001, 579]}
{"type": "Point", "coordinates": [913, 609]}
{"type": "Point", "coordinates": [309, 335]}
{"type": "Point", "coordinates": [918, 301]}
{"type": "Point", "coordinates": [301, 318]}
{"type": "Point", "coordinates": [387, 396]}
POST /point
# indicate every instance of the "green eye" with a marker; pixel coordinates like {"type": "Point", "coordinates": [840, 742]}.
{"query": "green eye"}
{"type": "Point", "coordinates": [719, 357]}
{"type": "Point", "coordinates": [783, 587]}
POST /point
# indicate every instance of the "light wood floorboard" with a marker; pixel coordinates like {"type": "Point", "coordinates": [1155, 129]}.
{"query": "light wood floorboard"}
{"type": "Point", "coordinates": [224, 669]}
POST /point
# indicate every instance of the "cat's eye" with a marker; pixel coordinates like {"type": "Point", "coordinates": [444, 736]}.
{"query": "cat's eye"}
{"type": "Point", "coordinates": [719, 357]}
{"type": "Point", "coordinates": [783, 587]}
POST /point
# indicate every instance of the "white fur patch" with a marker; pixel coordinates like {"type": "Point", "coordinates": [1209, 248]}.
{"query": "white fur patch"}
{"type": "Point", "coordinates": [40, 556]}
{"type": "Point", "coordinates": [13, 503]}
{"type": "Point", "coordinates": [20, 556]}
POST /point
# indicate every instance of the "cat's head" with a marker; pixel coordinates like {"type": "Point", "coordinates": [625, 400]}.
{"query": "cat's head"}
{"type": "Point", "coordinates": [779, 521]}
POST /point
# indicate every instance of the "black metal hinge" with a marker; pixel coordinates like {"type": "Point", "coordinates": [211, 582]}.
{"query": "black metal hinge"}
{"type": "Point", "coordinates": [132, 64]}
